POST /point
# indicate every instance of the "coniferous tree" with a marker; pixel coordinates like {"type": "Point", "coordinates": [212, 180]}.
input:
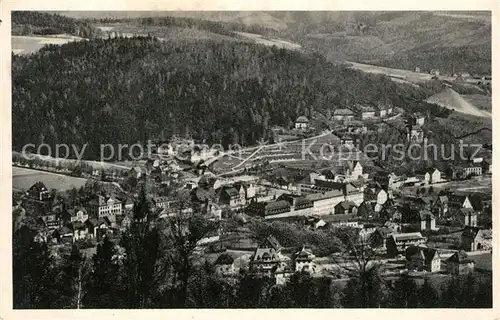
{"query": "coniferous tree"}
{"type": "Point", "coordinates": [429, 296]}
{"type": "Point", "coordinates": [104, 284]}
{"type": "Point", "coordinates": [33, 272]}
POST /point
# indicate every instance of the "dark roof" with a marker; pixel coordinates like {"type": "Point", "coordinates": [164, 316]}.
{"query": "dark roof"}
{"type": "Point", "coordinates": [272, 242]}
{"type": "Point", "coordinates": [346, 204]}
{"type": "Point", "coordinates": [329, 184]}
{"type": "Point", "coordinates": [224, 258]}
{"type": "Point", "coordinates": [413, 252]}
{"type": "Point", "coordinates": [470, 232]}
{"type": "Point", "coordinates": [281, 204]}
{"type": "Point", "coordinates": [460, 257]}
{"type": "Point", "coordinates": [38, 187]}
{"type": "Point", "coordinates": [230, 191]}
{"type": "Point", "coordinates": [340, 218]}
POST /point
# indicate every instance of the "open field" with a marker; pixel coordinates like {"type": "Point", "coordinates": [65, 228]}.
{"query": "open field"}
{"type": "Point", "coordinates": [24, 178]}
{"type": "Point", "coordinates": [270, 41]}
{"type": "Point", "coordinates": [399, 75]}
{"type": "Point", "coordinates": [479, 100]}
{"type": "Point", "coordinates": [30, 44]}
{"type": "Point", "coordinates": [483, 261]}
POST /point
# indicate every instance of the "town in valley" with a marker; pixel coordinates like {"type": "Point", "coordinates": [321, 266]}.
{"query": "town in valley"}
{"type": "Point", "coordinates": [249, 177]}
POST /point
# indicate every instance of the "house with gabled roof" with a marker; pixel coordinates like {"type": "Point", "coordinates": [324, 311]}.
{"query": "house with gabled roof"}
{"type": "Point", "coordinates": [476, 239]}
{"type": "Point", "coordinates": [368, 112]}
{"type": "Point", "coordinates": [343, 115]}
{"type": "Point", "coordinates": [345, 207]}
{"type": "Point", "coordinates": [224, 265]}
{"type": "Point", "coordinates": [423, 258]}
{"type": "Point", "coordinates": [378, 239]}
{"type": "Point", "coordinates": [301, 123]}
{"type": "Point", "coordinates": [78, 214]}
{"type": "Point", "coordinates": [429, 175]}
{"type": "Point", "coordinates": [459, 263]}
{"type": "Point", "coordinates": [303, 261]}
{"type": "Point", "coordinates": [267, 258]}
{"type": "Point", "coordinates": [39, 192]}
{"type": "Point", "coordinates": [397, 243]}
{"type": "Point", "coordinates": [427, 220]}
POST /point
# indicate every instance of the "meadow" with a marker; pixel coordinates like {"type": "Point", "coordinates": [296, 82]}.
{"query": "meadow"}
{"type": "Point", "coordinates": [24, 178]}
{"type": "Point", "coordinates": [30, 44]}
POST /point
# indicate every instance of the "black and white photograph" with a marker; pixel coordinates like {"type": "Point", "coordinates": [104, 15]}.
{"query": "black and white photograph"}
{"type": "Point", "coordinates": [251, 159]}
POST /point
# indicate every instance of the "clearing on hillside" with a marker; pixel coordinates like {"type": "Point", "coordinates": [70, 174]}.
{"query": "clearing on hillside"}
{"type": "Point", "coordinates": [450, 99]}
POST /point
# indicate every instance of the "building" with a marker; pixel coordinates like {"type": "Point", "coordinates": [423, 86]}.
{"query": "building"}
{"type": "Point", "coordinates": [476, 239]}
{"type": "Point", "coordinates": [347, 171]}
{"type": "Point", "coordinates": [440, 206]}
{"type": "Point", "coordinates": [467, 217]}
{"type": "Point", "coordinates": [302, 123]}
{"type": "Point", "coordinates": [233, 196]}
{"type": "Point", "coordinates": [78, 215]}
{"type": "Point", "coordinates": [346, 207]}
{"type": "Point", "coordinates": [224, 265]}
{"type": "Point", "coordinates": [459, 201]}
{"type": "Point", "coordinates": [385, 111]}
{"type": "Point", "coordinates": [161, 202]}
{"type": "Point", "coordinates": [303, 261]}
{"type": "Point", "coordinates": [50, 220]}
{"type": "Point", "coordinates": [397, 243]}
{"type": "Point", "coordinates": [348, 141]}
{"type": "Point", "coordinates": [342, 220]}
{"type": "Point", "coordinates": [427, 221]}
{"type": "Point", "coordinates": [473, 169]}
{"type": "Point", "coordinates": [267, 258]}
{"type": "Point", "coordinates": [429, 176]}
{"type": "Point", "coordinates": [39, 192]}
{"type": "Point", "coordinates": [459, 263]}
{"type": "Point", "coordinates": [102, 206]}
{"type": "Point", "coordinates": [367, 113]}
{"type": "Point", "coordinates": [356, 127]}
{"type": "Point", "coordinates": [376, 195]}
{"type": "Point", "coordinates": [423, 258]}
{"type": "Point", "coordinates": [420, 119]}
{"type": "Point", "coordinates": [378, 239]}
{"type": "Point", "coordinates": [286, 205]}
{"type": "Point", "coordinates": [343, 115]}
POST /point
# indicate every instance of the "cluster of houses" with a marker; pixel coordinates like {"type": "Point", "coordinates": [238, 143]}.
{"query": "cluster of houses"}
{"type": "Point", "coordinates": [410, 249]}
{"type": "Point", "coordinates": [102, 215]}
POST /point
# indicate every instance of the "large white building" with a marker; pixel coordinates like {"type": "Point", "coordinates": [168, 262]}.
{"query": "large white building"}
{"type": "Point", "coordinates": [105, 207]}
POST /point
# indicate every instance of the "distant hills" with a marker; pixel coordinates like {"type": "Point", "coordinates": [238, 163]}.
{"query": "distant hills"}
{"type": "Point", "coordinates": [446, 41]}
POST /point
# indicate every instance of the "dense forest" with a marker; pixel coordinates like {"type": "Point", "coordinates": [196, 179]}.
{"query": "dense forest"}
{"type": "Point", "coordinates": [154, 265]}
{"type": "Point", "coordinates": [27, 23]}
{"type": "Point", "coordinates": [475, 60]}
{"type": "Point", "coordinates": [128, 90]}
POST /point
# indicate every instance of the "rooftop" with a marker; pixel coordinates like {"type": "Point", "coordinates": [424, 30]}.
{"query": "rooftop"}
{"type": "Point", "coordinates": [302, 119]}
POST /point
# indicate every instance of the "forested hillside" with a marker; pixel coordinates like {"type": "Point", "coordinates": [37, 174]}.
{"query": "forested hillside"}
{"type": "Point", "coordinates": [40, 23]}
{"type": "Point", "coordinates": [128, 90]}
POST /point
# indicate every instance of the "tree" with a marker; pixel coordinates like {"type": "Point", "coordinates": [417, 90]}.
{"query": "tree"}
{"type": "Point", "coordinates": [429, 297]}
{"type": "Point", "coordinates": [103, 290]}
{"type": "Point", "coordinates": [183, 232]}
{"type": "Point", "coordinates": [366, 288]}
{"type": "Point", "coordinates": [33, 272]}
{"type": "Point", "coordinates": [143, 271]}
{"type": "Point", "coordinates": [404, 294]}
{"type": "Point", "coordinates": [74, 279]}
